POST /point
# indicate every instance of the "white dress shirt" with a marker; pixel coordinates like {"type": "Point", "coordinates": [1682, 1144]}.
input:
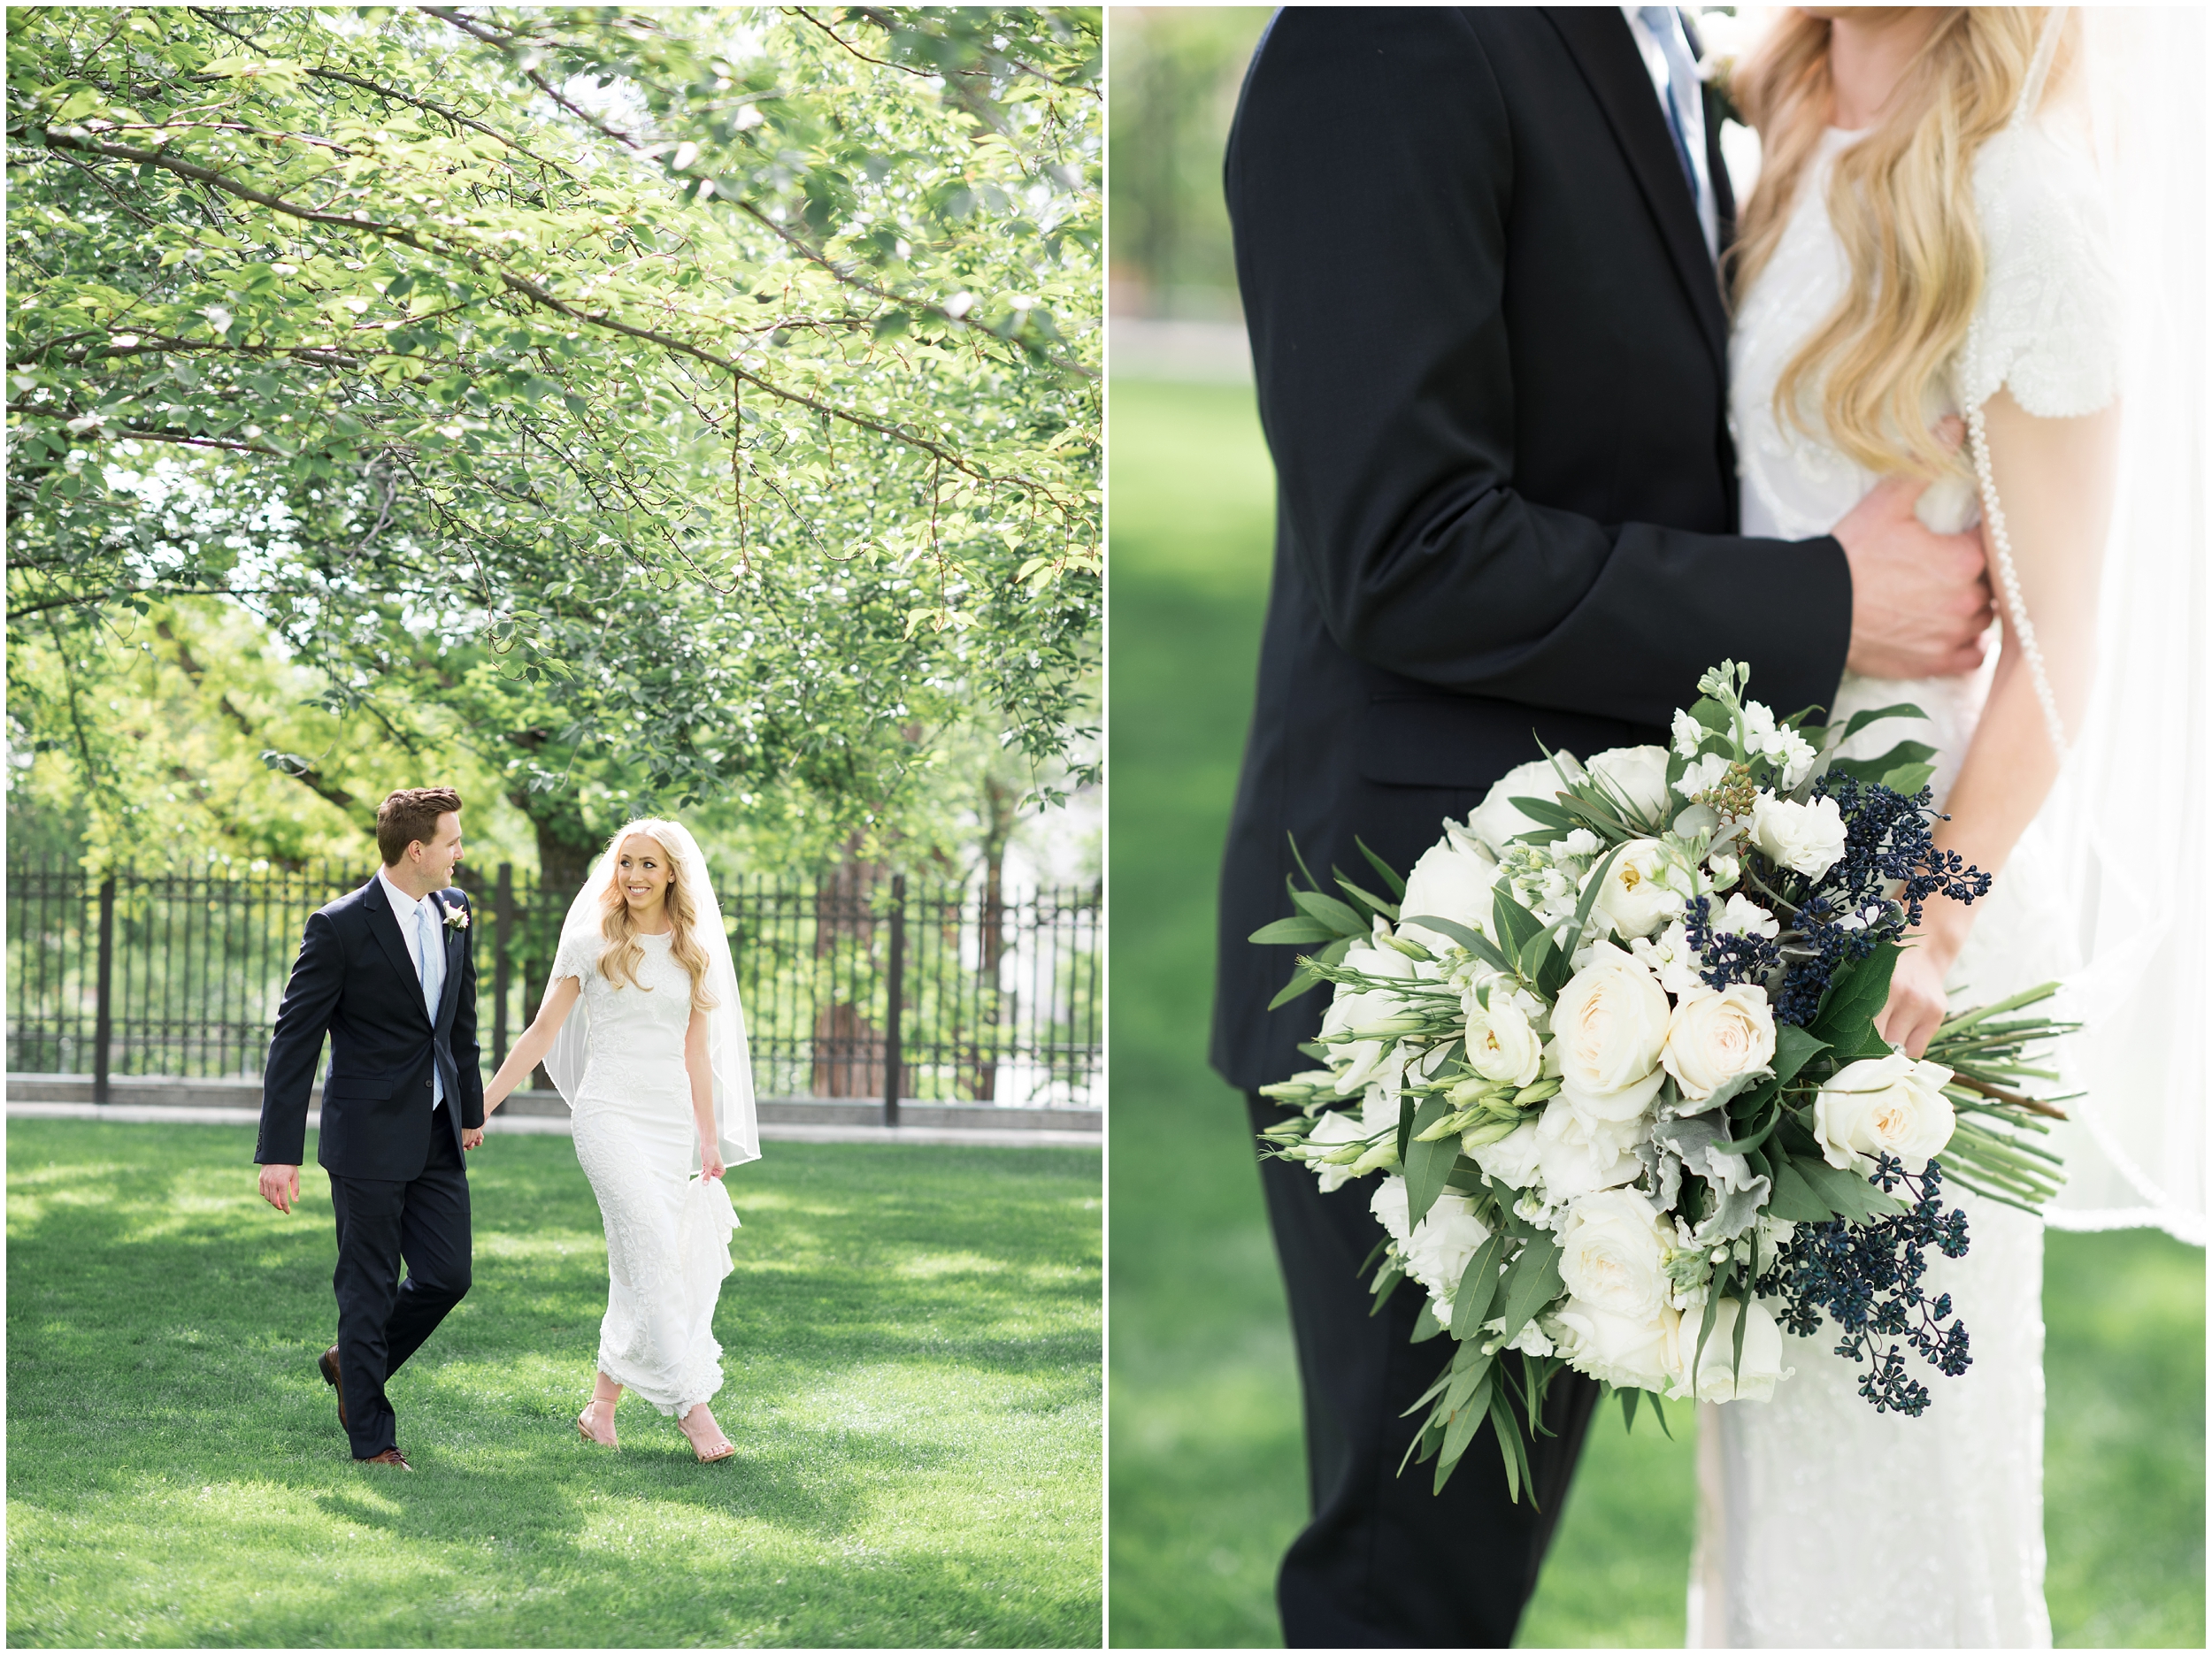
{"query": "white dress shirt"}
{"type": "Point", "coordinates": [1692, 113]}
{"type": "Point", "coordinates": [408, 912]}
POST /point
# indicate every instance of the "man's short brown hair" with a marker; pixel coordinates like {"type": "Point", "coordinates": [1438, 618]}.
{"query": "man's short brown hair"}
{"type": "Point", "coordinates": [409, 814]}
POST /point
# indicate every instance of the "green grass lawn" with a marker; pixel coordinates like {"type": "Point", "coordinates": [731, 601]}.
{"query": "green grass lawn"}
{"type": "Point", "coordinates": [912, 1350]}
{"type": "Point", "coordinates": [1206, 1475]}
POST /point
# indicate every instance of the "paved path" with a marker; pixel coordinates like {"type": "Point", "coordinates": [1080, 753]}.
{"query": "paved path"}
{"type": "Point", "coordinates": [771, 1131]}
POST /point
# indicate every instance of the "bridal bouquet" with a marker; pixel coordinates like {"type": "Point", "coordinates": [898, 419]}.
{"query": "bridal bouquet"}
{"type": "Point", "coordinates": [1612, 1047]}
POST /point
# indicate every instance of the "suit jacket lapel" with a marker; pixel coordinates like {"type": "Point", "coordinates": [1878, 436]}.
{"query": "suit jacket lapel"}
{"type": "Point", "coordinates": [1605, 52]}
{"type": "Point", "coordinates": [385, 923]}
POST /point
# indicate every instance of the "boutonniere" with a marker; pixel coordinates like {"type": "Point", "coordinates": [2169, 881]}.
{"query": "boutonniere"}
{"type": "Point", "coordinates": [456, 918]}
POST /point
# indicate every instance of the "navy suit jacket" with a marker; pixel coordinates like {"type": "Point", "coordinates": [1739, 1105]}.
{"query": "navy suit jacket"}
{"type": "Point", "coordinates": [355, 980]}
{"type": "Point", "coordinates": [1491, 361]}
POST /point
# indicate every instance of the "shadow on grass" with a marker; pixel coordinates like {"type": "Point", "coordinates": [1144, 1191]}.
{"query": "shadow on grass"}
{"type": "Point", "coordinates": [911, 1352]}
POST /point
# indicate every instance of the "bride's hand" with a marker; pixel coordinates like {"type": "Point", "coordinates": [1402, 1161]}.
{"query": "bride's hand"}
{"type": "Point", "coordinates": [1917, 1005]}
{"type": "Point", "coordinates": [710, 1158]}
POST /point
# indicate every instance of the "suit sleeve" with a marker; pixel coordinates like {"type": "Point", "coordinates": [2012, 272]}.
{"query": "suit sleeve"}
{"type": "Point", "coordinates": [466, 1056]}
{"type": "Point", "coordinates": [302, 1018]}
{"type": "Point", "coordinates": [1370, 180]}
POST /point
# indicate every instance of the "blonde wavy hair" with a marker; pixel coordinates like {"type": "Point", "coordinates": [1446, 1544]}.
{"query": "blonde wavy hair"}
{"type": "Point", "coordinates": [1902, 200]}
{"type": "Point", "coordinates": [619, 961]}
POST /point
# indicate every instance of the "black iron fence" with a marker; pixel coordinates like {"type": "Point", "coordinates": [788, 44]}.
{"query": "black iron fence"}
{"type": "Point", "coordinates": [860, 989]}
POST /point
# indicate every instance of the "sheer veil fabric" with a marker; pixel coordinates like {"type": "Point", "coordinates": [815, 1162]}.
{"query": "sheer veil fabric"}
{"type": "Point", "coordinates": [728, 1054]}
{"type": "Point", "coordinates": [2126, 822]}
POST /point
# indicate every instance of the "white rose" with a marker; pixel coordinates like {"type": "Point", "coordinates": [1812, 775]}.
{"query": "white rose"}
{"type": "Point", "coordinates": [1621, 1351]}
{"type": "Point", "coordinates": [1451, 881]}
{"type": "Point", "coordinates": [1514, 1159]}
{"type": "Point", "coordinates": [1613, 1254]}
{"type": "Point", "coordinates": [1807, 837]}
{"type": "Point", "coordinates": [1501, 1044]}
{"type": "Point", "coordinates": [1494, 820]}
{"type": "Point", "coordinates": [1715, 1037]}
{"type": "Point", "coordinates": [1719, 1378]}
{"type": "Point", "coordinates": [1436, 1251]}
{"type": "Point", "coordinates": [1878, 1106]}
{"type": "Point", "coordinates": [1641, 892]}
{"type": "Point", "coordinates": [1638, 775]}
{"type": "Point", "coordinates": [1608, 1029]}
{"type": "Point", "coordinates": [1578, 1156]}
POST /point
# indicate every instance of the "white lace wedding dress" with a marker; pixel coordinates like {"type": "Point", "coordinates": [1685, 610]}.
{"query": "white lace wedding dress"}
{"type": "Point", "coordinates": [1821, 1522]}
{"type": "Point", "coordinates": [668, 1233]}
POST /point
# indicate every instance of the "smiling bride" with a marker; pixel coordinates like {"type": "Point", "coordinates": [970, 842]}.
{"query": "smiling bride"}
{"type": "Point", "coordinates": [642, 1030]}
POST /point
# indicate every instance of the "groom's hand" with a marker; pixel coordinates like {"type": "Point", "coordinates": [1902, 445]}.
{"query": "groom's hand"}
{"type": "Point", "coordinates": [1920, 600]}
{"type": "Point", "coordinates": [280, 1187]}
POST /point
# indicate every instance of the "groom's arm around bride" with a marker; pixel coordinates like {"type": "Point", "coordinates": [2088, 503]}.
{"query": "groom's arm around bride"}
{"type": "Point", "coordinates": [1491, 354]}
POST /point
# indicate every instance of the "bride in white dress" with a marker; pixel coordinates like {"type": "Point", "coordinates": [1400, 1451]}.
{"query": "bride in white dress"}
{"type": "Point", "coordinates": [642, 1030]}
{"type": "Point", "coordinates": [1924, 245]}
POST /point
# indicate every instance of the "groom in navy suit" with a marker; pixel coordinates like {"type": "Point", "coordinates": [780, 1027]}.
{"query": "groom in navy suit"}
{"type": "Point", "coordinates": [387, 973]}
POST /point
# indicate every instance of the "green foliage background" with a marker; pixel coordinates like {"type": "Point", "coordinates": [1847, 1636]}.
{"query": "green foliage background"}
{"type": "Point", "coordinates": [661, 405]}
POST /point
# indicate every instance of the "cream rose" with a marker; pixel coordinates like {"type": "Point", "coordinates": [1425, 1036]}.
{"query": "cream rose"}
{"type": "Point", "coordinates": [1714, 1037]}
{"type": "Point", "coordinates": [1613, 1254]}
{"type": "Point", "coordinates": [1719, 1377]}
{"type": "Point", "coordinates": [1494, 820]}
{"type": "Point", "coordinates": [1638, 775]}
{"type": "Point", "coordinates": [1808, 838]}
{"type": "Point", "coordinates": [1877, 1105]}
{"type": "Point", "coordinates": [1615, 1349]}
{"type": "Point", "coordinates": [1451, 881]}
{"type": "Point", "coordinates": [1608, 1029]}
{"type": "Point", "coordinates": [1500, 1044]}
{"type": "Point", "coordinates": [1642, 887]}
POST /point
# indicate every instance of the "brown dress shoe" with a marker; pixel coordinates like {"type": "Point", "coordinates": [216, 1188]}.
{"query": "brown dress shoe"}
{"type": "Point", "coordinates": [390, 1457]}
{"type": "Point", "coordinates": [329, 1364]}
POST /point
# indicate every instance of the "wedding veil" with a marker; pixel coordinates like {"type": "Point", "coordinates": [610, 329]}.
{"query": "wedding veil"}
{"type": "Point", "coordinates": [726, 1050]}
{"type": "Point", "coordinates": [2127, 817]}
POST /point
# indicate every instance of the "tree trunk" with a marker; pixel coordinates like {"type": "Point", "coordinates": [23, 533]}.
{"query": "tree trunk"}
{"type": "Point", "coordinates": [1000, 804]}
{"type": "Point", "coordinates": [848, 1045]}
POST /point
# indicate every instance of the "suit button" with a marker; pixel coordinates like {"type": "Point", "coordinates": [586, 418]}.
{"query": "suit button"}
{"type": "Point", "coordinates": [426, 1085]}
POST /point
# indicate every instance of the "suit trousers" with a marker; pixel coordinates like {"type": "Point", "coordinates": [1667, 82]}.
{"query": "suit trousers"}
{"type": "Point", "coordinates": [424, 1221]}
{"type": "Point", "coordinates": [1384, 1561]}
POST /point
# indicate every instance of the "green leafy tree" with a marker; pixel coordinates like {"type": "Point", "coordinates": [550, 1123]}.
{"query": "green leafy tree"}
{"type": "Point", "coordinates": [683, 400]}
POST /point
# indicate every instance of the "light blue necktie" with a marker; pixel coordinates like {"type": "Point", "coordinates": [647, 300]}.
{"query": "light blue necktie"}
{"type": "Point", "coordinates": [1682, 86]}
{"type": "Point", "coordinates": [431, 958]}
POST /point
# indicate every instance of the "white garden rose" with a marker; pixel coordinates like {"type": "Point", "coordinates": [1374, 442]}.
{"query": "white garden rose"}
{"type": "Point", "coordinates": [1494, 820]}
{"type": "Point", "coordinates": [1644, 888]}
{"type": "Point", "coordinates": [1719, 1376]}
{"type": "Point", "coordinates": [1501, 1045]}
{"type": "Point", "coordinates": [1436, 1251]}
{"type": "Point", "coordinates": [1576, 1156]}
{"type": "Point", "coordinates": [1615, 1349]}
{"type": "Point", "coordinates": [1808, 838]}
{"type": "Point", "coordinates": [1884, 1106]}
{"type": "Point", "coordinates": [1608, 1029]}
{"type": "Point", "coordinates": [1613, 1254]}
{"type": "Point", "coordinates": [1451, 881]}
{"type": "Point", "coordinates": [1715, 1037]}
{"type": "Point", "coordinates": [1638, 775]}
{"type": "Point", "coordinates": [1515, 1160]}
